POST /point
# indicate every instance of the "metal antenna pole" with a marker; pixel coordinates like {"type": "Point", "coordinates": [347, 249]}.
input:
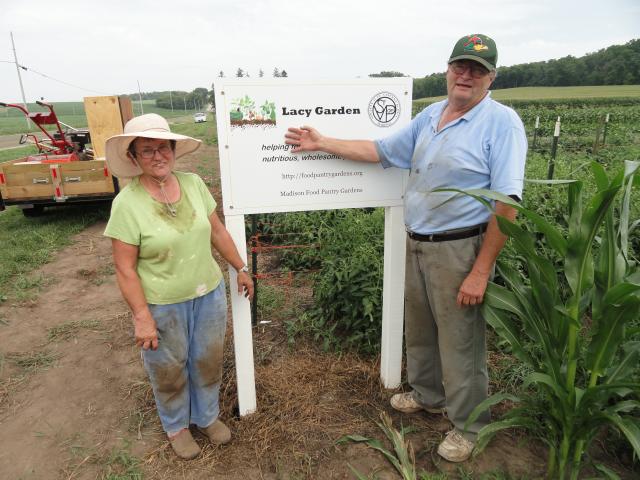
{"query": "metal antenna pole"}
{"type": "Point", "coordinates": [140, 98]}
{"type": "Point", "coordinates": [15, 56]}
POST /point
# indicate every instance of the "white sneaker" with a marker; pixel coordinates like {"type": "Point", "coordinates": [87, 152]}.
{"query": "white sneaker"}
{"type": "Point", "coordinates": [405, 403]}
{"type": "Point", "coordinates": [455, 448]}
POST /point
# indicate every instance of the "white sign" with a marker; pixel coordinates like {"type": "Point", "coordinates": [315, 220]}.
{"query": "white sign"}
{"type": "Point", "coordinates": [259, 173]}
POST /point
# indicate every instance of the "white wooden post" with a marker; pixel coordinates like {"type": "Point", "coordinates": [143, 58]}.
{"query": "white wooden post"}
{"type": "Point", "coordinates": [241, 313]}
{"type": "Point", "coordinates": [393, 296]}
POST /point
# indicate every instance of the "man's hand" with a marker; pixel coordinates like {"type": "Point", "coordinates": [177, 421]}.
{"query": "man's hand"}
{"type": "Point", "coordinates": [245, 285]}
{"type": "Point", "coordinates": [146, 332]}
{"type": "Point", "coordinates": [472, 290]}
{"type": "Point", "coordinates": [304, 139]}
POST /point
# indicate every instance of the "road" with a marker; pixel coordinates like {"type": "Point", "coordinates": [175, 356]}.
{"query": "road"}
{"type": "Point", "coordinates": [9, 141]}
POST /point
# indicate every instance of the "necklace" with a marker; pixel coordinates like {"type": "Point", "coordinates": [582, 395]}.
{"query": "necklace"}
{"type": "Point", "coordinates": [165, 198]}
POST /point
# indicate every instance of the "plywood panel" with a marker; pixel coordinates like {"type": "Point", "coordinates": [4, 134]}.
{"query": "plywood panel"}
{"type": "Point", "coordinates": [126, 109]}
{"type": "Point", "coordinates": [104, 119]}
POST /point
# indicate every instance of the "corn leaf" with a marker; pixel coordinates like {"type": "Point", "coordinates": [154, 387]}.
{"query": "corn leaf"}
{"type": "Point", "coordinates": [608, 331]}
{"type": "Point", "coordinates": [626, 365]}
{"type": "Point", "coordinates": [487, 432]}
{"type": "Point", "coordinates": [496, 310]}
{"type": "Point", "coordinates": [553, 236]}
{"type": "Point", "coordinates": [630, 427]}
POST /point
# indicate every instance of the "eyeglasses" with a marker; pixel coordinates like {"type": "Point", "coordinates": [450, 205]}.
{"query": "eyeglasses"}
{"type": "Point", "coordinates": [148, 153]}
{"type": "Point", "coordinates": [477, 70]}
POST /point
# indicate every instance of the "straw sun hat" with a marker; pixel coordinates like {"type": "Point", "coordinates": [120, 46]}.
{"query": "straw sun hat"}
{"type": "Point", "coordinates": [150, 125]}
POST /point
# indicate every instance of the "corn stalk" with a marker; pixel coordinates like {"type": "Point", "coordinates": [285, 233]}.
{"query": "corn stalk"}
{"type": "Point", "coordinates": [564, 406]}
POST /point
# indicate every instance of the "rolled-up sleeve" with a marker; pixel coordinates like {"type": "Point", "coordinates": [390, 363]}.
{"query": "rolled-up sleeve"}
{"type": "Point", "coordinates": [396, 150]}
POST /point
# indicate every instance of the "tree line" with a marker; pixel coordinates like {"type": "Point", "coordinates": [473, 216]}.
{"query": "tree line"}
{"type": "Point", "coordinates": [615, 65]}
{"type": "Point", "coordinates": [198, 99]}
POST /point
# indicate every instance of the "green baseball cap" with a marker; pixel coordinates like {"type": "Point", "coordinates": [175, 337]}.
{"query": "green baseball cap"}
{"type": "Point", "coordinates": [477, 47]}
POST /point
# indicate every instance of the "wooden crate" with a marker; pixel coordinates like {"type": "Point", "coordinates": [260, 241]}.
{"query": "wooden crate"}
{"type": "Point", "coordinates": [26, 181]}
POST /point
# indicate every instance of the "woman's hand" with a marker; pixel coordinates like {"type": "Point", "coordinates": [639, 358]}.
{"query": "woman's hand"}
{"type": "Point", "coordinates": [145, 331]}
{"type": "Point", "coordinates": [245, 285]}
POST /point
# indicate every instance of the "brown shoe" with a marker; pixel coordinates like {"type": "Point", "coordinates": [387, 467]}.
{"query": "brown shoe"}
{"type": "Point", "coordinates": [217, 432]}
{"type": "Point", "coordinates": [184, 445]}
{"type": "Point", "coordinates": [406, 403]}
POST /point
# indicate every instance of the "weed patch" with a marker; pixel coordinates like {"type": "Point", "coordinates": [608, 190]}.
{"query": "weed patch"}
{"type": "Point", "coordinates": [32, 362]}
{"type": "Point", "coordinates": [69, 330]}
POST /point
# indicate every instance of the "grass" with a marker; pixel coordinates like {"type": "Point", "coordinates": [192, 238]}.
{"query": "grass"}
{"type": "Point", "coordinates": [30, 242]}
{"type": "Point", "coordinates": [143, 414]}
{"type": "Point", "coordinates": [205, 131]}
{"type": "Point", "coordinates": [19, 152]}
{"type": "Point", "coordinates": [115, 464]}
{"type": "Point", "coordinates": [69, 330]}
{"type": "Point", "coordinates": [31, 362]}
{"type": "Point", "coordinates": [271, 300]}
{"type": "Point", "coordinates": [121, 465]}
{"type": "Point", "coordinates": [538, 93]}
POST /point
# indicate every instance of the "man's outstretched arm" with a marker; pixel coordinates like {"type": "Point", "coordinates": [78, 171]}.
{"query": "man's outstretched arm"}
{"type": "Point", "coordinates": [306, 139]}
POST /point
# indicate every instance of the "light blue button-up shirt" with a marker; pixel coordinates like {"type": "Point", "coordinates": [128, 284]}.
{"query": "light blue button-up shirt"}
{"type": "Point", "coordinates": [485, 148]}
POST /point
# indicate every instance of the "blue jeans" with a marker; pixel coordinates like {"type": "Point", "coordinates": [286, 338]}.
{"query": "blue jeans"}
{"type": "Point", "coordinates": [186, 369]}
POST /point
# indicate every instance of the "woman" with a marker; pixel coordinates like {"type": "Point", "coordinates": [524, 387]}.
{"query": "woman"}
{"type": "Point", "coordinates": [162, 226]}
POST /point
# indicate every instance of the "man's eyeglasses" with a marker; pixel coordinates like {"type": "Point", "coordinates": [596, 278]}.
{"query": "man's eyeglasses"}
{"type": "Point", "coordinates": [148, 153]}
{"type": "Point", "coordinates": [477, 70]}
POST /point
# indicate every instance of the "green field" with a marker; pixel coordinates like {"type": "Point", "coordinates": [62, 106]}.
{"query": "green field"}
{"type": "Point", "coordinates": [544, 93]}
{"type": "Point", "coordinates": [72, 113]}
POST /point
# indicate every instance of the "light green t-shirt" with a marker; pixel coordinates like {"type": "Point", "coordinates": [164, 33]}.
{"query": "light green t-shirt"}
{"type": "Point", "coordinates": [175, 263]}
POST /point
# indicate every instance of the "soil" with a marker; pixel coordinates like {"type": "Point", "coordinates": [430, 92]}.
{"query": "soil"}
{"type": "Point", "coordinates": [75, 403]}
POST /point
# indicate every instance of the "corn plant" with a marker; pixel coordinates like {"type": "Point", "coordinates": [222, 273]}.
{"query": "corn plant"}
{"type": "Point", "coordinates": [585, 360]}
{"type": "Point", "coordinates": [402, 458]}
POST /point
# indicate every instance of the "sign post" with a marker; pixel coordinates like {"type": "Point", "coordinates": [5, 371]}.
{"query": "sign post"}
{"type": "Point", "coordinates": [259, 174]}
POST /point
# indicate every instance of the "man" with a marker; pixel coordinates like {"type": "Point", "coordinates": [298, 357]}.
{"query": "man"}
{"type": "Point", "coordinates": [466, 141]}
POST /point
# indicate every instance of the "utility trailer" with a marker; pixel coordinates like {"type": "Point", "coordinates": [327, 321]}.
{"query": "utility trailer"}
{"type": "Point", "coordinates": [65, 171]}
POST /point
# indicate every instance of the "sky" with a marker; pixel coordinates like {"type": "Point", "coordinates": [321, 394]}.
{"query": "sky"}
{"type": "Point", "coordinates": [74, 49]}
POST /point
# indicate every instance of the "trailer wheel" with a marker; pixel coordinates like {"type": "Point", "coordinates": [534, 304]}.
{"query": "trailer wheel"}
{"type": "Point", "coordinates": [34, 211]}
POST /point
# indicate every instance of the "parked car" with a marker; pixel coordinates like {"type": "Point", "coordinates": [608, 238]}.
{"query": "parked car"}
{"type": "Point", "coordinates": [199, 117]}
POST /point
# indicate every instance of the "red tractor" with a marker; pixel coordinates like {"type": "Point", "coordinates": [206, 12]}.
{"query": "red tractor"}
{"type": "Point", "coordinates": [61, 147]}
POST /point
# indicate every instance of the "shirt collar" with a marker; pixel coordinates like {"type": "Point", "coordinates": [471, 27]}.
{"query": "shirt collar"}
{"type": "Point", "coordinates": [437, 112]}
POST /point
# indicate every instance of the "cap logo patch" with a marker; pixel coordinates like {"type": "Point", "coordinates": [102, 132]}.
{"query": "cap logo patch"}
{"type": "Point", "coordinates": [474, 44]}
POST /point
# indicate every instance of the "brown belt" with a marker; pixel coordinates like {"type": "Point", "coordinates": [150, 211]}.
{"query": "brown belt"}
{"type": "Point", "coordinates": [447, 236]}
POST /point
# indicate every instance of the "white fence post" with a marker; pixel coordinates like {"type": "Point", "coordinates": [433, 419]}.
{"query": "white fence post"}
{"type": "Point", "coordinates": [393, 296]}
{"type": "Point", "coordinates": [241, 313]}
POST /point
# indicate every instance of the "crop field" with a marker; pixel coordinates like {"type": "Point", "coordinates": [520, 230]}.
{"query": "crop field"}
{"type": "Point", "coordinates": [329, 305]}
{"type": "Point", "coordinates": [72, 113]}
{"type": "Point", "coordinates": [601, 92]}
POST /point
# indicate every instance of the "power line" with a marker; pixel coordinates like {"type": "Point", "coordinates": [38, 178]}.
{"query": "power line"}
{"type": "Point", "coordinates": [61, 81]}
{"type": "Point", "coordinates": [27, 69]}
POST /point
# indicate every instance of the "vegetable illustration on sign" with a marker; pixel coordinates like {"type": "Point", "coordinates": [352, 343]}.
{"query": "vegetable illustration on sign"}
{"type": "Point", "coordinates": [245, 114]}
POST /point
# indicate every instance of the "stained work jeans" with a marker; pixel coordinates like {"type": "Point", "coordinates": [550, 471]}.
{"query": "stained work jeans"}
{"type": "Point", "coordinates": [446, 351]}
{"type": "Point", "coordinates": [186, 369]}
